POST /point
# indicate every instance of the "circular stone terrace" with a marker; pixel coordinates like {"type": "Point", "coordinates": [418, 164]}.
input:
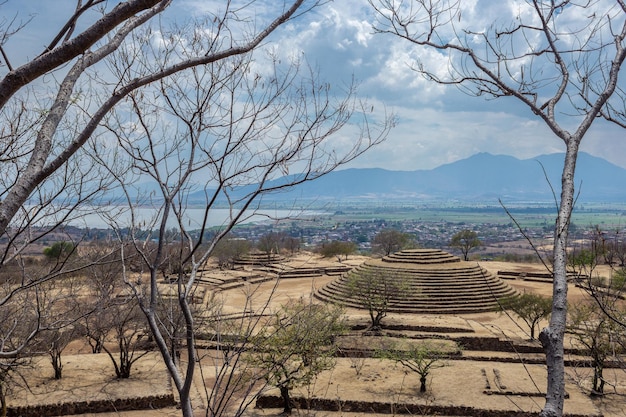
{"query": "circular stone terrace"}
{"type": "Point", "coordinates": [433, 282]}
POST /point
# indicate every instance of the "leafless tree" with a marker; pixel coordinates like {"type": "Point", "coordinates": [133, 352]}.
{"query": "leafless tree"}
{"type": "Point", "coordinates": [243, 127]}
{"type": "Point", "coordinates": [52, 104]}
{"type": "Point", "coordinates": [232, 384]}
{"type": "Point", "coordinates": [222, 135]}
{"type": "Point", "coordinates": [104, 281]}
{"type": "Point", "coordinates": [598, 336]}
{"type": "Point", "coordinates": [269, 244]}
{"type": "Point", "coordinates": [108, 66]}
{"type": "Point", "coordinates": [559, 59]}
{"type": "Point", "coordinates": [230, 249]}
{"type": "Point", "coordinates": [60, 299]}
{"type": "Point", "coordinates": [17, 319]}
{"type": "Point", "coordinates": [129, 334]}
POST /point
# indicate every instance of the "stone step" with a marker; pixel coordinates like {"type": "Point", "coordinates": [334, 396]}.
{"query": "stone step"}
{"type": "Point", "coordinates": [433, 281]}
{"type": "Point", "coordinates": [456, 308]}
{"type": "Point", "coordinates": [377, 268]}
{"type": "Point", "coordinates": [490, 294]}
{"type": "Point", "coordinates": [433, 289]}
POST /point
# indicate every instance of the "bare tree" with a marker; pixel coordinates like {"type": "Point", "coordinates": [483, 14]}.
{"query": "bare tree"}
{"type": "Point", "coordinates": [553, 62]}
{"type": "Point", "coordinates": [229, 249]}
{"type": "Point", "coordinates": [103, 283]}
{"type": "Point", "coordinates": [45, 178]}
{"type": "Point", "coordinates": [269, 244]}
{"type": "Point", "coordinates": [17, 319]}
{"type": "Point", "coordinates": [598, 336]}
{"type": "Point", "coordinates": [225, 135]}
{"type": "Point", "coordinates": [237, 125]}
{"type": "Point", "coordinates": [235, 382]}
{"type": "Point", "coordinates": [129, 334]}
{"type": "Point", "coordinates": [60, 299]}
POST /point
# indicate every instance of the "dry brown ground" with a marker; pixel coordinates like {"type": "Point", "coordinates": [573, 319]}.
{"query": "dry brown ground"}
{"type": "Point", "coordinates": [461, 382]}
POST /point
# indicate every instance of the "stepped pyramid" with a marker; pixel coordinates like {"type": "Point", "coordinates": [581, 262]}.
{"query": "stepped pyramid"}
{"type": "Point", "coordinates": [433, 282]}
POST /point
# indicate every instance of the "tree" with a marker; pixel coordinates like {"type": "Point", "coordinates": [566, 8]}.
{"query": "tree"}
{"type": "Point", "coordinates": [189, 109]}
{"type": "Point", "coordinates": [557, 59]}
{"type": "Point", "coordinates": [269, 243]}
{"type": "Point", "coordinates": [420, 357]}
{"type": "Point", "coordinates": [377, 291]}
{"type": "Point", "coordinates": [17, 339]}
{"type": "Point", "coordinates": [388, 241]}
{"type": "Point", "coordinates": [465, 240]}
{"type": "Point", "coordinates": [60, 299]}
{"type": "Point", "coordinates": [292, 244]}
{"type": "Point", "coordinates": [57, 342]}
{"type": "Point", "coordinates": [337, 248]}
{"type": "Point", "coordinates": [297, 345]}
{"type": "Point", "coordinates": [230, 249]}
{"type": "Point", "coordinates": [59, 250]}
{"type": "Point", "coordinates": [582, 262]}
{"type": "Point", "coordinates": [599, 336]}
{"type": "Point", "coordinates": [530, 307]}
{"type": "Point", "coordinates": [129, 333]}
{"type": "Point", "coordinates": [274, 123]}
{"type": "Point", "coordinates": [103, 284]}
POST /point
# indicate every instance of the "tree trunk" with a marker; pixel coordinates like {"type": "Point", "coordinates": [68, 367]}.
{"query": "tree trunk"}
{"type": "Point", "coordinates": [598, 379]}
{"type": "Point", "coordinates": [57, 365]}
{"type": "Point", "coordinates": [423, 383]}
{"type": "Point", "coordinates": [284, 392]}
{"type": "Point", "coordinates": [3, 400]}
{"type": "Point", "coordinates": [552, 336]}
{"type": "Point", "coordinates": [185, 406]}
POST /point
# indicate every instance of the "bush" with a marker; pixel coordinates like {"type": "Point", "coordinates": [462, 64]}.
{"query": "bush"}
{"type": "Point", "coordinates": [59, 250]}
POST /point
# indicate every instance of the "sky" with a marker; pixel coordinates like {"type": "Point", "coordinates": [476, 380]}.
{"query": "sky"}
{"type": "Point", "coordinates": [436, 124]}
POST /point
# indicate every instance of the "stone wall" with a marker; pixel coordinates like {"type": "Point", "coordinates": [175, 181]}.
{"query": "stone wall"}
{"type": "Point", "coordinates": [96, 406]}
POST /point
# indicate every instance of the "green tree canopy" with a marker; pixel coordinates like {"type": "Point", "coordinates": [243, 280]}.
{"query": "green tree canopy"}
{"type": "Point", "coordinates": [465, 240]}
{"type": "Point", "coordinates": [420, 357]}
{"type": "Point", "coordinates": [531, 308]}
{"type": "Point", "coordinates": [297, 345]}
{"type": "Point", "coordinates": [59, 250]}
{"type": "Point", "coordinates": [390, 240]}
{"type": "Point", "coordinates": [377, 291]}
{"type": "Point", "coordinates": [337, 248]}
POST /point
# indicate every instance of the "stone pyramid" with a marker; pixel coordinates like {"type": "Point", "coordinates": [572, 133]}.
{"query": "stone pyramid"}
{"type": "Point", "coordinates": [432, 282]}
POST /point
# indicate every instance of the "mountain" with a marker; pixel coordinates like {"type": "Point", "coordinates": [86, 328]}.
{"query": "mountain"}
{"type": "Point", "coordinates": [481, 177]}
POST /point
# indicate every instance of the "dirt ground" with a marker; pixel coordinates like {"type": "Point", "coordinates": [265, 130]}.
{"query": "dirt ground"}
{"type": "Point", "coordinates": [460, 382]}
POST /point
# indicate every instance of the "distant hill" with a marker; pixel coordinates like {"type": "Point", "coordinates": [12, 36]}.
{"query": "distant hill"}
{"type": "Point", "coordinates": [481, 177]}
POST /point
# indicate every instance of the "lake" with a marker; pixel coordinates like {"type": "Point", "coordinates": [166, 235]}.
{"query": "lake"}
{"type": "Point", "coordinates": [104, 217]}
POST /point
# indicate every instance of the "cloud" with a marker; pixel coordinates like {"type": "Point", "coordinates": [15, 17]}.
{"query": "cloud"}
{"type": "Point", "coordinates": [437, 124]}
{"type": "Point", "coordinates": [427, 138]}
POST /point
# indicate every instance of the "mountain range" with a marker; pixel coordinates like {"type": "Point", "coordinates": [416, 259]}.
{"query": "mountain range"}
{"type": "Point", "coordinates": [481, 177]}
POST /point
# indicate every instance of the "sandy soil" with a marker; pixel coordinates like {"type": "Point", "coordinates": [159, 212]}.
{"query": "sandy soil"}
{"type": "Point", "coordinates": [460, 382]}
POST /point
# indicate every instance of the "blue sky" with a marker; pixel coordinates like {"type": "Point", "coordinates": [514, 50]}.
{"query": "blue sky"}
{"type": "Point", "coordinates": [437, 124]}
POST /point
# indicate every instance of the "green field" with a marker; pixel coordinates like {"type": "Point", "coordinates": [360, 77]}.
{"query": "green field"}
{"type": "Point", "coordinates": [605, 215]}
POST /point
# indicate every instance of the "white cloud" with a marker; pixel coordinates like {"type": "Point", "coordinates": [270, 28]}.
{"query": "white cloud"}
{"type": "Point", "coordinates": [427, 138]}
{"type": "Point", "coordinates": [438, 124]}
